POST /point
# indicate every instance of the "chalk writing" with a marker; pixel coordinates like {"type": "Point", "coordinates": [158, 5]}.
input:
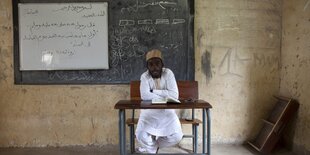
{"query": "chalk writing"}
{"type": "Point", "coordinates": [69, 77]}
{"type": "Point", "coordinates": [227, 59]}
{"type": "Point", "coordinates": [144, 28]}
{"type": "Point", "coordinates": [232, 59]}
{"type": "Point", "coordinates": [142, 4]}
{"type": "Point", "coordinates": [31, 11]}
{"type": "Point", "coordinates": [70, 35]}
{"type": "Point", "coordinates": [178, 21]}
{"type": "Point", "coordinates": [145, 21]}
{"type": "Point", "coordinates": [126, 22]}
{"type": "Point", "coordinates": [66, 52]}
{"type": "Point", "coordinates": [102, 13]}
{"type": "Point", "coordinates": [162, 4]}
{"type": "Point", "coordinates": [77, 43]}
{"type": "Point", "coordinates": [162, 21]}
{"type": "Point", "coordinates": [76, 25]}
{"type": "Point", "coordinates": [75, 8]}
{"type": "Point", "coordinates": [124, 47]}
{"type": "Point", "coordinates": [261, 59]}
{"type": "Point", "coordinates": [240, 60]}
{"type": "Point", "coordinates": [148, 29]}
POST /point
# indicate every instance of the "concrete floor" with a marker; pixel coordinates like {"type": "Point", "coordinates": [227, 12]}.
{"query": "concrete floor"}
{"type": "Point", "coordinates": [113, 150]}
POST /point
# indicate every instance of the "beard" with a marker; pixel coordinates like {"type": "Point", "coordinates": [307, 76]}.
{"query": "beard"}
{"type": "Point", "coordinates": [155, 73]}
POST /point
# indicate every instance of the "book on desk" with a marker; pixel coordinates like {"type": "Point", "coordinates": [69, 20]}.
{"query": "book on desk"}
{"type": "Point", "coordinates": [165, 100]}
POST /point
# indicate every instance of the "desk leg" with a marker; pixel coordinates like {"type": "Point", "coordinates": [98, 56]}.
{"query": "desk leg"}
{"type": "Point", "coordinates": [209, 131]}
{"type": "Point", "coordinates": [196, 139]}
{"type": "Point", "coordinates": [122, 132]}
{"type": "Point", "coordinates": [204, 131]}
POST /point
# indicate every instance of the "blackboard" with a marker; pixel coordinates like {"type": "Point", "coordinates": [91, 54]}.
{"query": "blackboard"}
{"type": "Point", "coordinates": [63, 36]}
{"type": "Point", "coordinates": [135, 26]}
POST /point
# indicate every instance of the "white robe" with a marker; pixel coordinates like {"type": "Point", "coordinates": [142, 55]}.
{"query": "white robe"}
{"type": "Point", "coordinates": [159, 122]}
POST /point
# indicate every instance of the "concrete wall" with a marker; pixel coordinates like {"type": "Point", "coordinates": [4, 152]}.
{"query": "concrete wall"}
{"type": "Point", "coordinates": [237, 52]}
{"type": "Point", "coordinates": [295, 68]}
{"type": "Point", "coordinates": [237, 63]}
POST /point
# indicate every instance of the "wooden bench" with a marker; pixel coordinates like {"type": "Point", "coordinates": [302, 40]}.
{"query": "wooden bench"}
{"type": "Point", "coordinates": [187, 90]}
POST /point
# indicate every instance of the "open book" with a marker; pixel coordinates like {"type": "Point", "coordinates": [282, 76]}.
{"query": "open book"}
{"type": "Point", "coordinates": [165, 100]}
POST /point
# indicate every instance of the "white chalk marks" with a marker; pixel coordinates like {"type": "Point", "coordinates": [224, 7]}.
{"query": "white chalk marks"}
{"type": "Point", "coordinates": [140, 4]}
{"type": "Point", "coordinates": [231, 62]}
{"type": "Point", "coordinates": [226, 64]}
{"type": "Point", "coordinates": [128, 22]}
{"type": "Point", "coordinates": [306, 5]}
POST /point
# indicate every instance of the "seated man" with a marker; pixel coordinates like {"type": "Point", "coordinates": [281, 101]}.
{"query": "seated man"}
{"type": "Point", "coordinates": [157, 127]}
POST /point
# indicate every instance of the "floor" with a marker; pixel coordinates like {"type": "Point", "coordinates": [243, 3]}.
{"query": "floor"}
{"type": "Point", "coordinates": [113, 150]}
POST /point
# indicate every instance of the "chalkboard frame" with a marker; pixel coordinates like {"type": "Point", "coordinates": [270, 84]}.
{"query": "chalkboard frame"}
{"type": "Point", "coordinates": [26, 78]}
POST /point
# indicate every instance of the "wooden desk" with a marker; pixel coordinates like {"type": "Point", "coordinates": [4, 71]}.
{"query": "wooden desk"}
{"type": "Point", "coordinates": [122, 105]}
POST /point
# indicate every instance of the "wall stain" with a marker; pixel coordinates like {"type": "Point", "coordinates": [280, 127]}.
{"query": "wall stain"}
{"type": "Point", "coordinates": [3, 55]}
{"type": "Point", "coordinates": [306, 5]}
{"type": "Point", "coordinates": [206, 65]}
{"type": "Point", "coordinates": [24, 91]}
{"type": "Point", "coordinates": [4, 12]}
{"type": "Point", "coordinates": [75, 88]}
{"type": "Point", "coordinates": [199, 36]}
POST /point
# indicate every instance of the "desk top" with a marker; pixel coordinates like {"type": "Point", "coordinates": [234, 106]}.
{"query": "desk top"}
{"type": "Point", "coordinates": [139, 104]}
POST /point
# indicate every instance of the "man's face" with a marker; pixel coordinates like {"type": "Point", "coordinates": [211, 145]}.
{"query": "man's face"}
{"type": "Point", "coordinates": [155, 66]}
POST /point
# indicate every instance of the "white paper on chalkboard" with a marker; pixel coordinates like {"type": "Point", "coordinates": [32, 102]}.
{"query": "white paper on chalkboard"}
{"type": "Point", "coordinates": [63, 36]}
